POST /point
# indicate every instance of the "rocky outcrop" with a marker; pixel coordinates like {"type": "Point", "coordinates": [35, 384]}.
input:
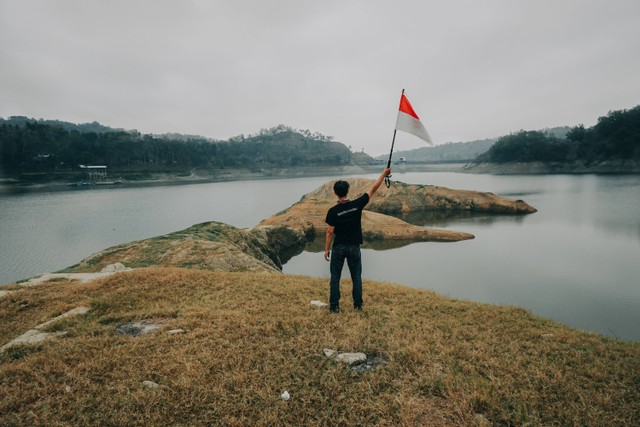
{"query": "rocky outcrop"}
{"type": "Point", "coordinates": [220, 247]}
{"type": "Point", "coordinates": [210, 246]}
{"type": "Point", "coordinates": [379, 220]}
{"type": "Point", "coordinates": [403, 198]}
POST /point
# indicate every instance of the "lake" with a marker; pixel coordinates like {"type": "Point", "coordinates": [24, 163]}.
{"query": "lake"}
{"type": "Point", "coordinates": [577, 260]}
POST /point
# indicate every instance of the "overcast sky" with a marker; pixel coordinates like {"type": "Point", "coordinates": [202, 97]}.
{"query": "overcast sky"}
{"type": "Point", "coordinates": [471, 69]}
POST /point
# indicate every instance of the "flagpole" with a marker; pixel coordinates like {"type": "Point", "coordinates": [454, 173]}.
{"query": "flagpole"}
{"type": "Point", "coordinates": [393, 141]}
{"type": "Point", "coordinates": [387, 179]}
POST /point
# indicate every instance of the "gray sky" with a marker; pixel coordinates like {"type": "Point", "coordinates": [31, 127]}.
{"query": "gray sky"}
{"type": "Point", "coordinates": [471, 69]}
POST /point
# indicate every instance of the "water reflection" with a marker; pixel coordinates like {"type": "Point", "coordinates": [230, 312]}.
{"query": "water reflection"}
{"type": "Point", "coordinates": [317, 245]}
{"type": "Point", "coordinates": [443, 219]}
{"type": "Point", "coordinates": [431, 219]}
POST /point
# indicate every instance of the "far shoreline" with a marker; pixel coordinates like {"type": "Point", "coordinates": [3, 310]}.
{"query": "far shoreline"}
{"type": "Point", "coordinates": [12, 186]}
{"type": "Point", "coordinates": [230, 175]}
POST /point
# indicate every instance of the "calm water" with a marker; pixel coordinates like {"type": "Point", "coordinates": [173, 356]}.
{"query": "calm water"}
{"type": "Point", "coordinates": [577, 260]}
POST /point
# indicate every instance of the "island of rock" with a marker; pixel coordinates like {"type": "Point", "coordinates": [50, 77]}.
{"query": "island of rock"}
{"type": "Point", "coordinates": [220, 247]}
{"type": "Point", "coordinates": [380, 219]}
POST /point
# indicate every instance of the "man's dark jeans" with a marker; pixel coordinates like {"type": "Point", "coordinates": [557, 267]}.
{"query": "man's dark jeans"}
{"type": "Point", "coordinates": [354, 261]}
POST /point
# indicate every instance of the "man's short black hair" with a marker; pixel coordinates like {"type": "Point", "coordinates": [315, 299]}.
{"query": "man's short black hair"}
{"type": "Point", "coordinates": [341, 188]}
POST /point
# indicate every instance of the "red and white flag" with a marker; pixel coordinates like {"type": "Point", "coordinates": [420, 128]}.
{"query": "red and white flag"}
{"type": "Point", "coordinates": [408, 121]}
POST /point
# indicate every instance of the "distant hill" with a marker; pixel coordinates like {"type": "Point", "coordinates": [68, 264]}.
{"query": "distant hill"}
{"type": "Point", "coordinates": [450, 152]}
{"type": "Point", "coordinates": [616, 136]}
{"type": "Point", "coordinates": [83, 127]}
{"type": "Point", "coordinates": [453, 152]}
{"type": "Point", "coordinates": [52, 146]}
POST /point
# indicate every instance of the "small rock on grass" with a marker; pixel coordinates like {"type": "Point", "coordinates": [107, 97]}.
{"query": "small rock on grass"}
{"type": "Point", "coordinates": [330, 353]}
{"type": "Point", "coordinates": [346, 358]}
{"type": "Point", "coordinates": [114, 268]}
{"type": "Point", "coordinates": [137, 328]}
{"type": "Point", "coordinates": [150, 384]}
{"type": "Point", "coordinates": [351, 359]}
{"type": "Point", "coordinates": [481, 420]}
{"type": "Point", "coordinates": [358, 362]}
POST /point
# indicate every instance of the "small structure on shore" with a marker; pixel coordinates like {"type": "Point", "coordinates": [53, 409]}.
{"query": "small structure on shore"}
{"type": "Point", "coordinates": [95, 173]}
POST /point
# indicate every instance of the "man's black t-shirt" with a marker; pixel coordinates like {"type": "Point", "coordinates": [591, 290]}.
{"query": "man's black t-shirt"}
{"type": "Point", "coordinates": [345, 217]}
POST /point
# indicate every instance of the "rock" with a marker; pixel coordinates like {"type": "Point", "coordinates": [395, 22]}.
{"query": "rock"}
{"type": "Point", "coordinates": [279, 243]}
{"type": "Point", "coordinates": [35, 335]}
{"type": "Point", "coordinates": [5, 293]}
{"type": "Point", "coordinates": [358, 362]}
{"type": "Point", "coordinates": [481, 420]}
{"type": "Point", "coordinates": [114, 268]}
{"type": "Point", "coordinates": [380, 221]}
{"type": "Point", "coordinates": [285, 396]}
{"type": "Point", "coordinates": [82, 277]}
{"type": "Point", "coordinates": [351, 359]}
{"type": "Point", "coordinates": [73, 312]}
{"type": "Point", "coordinates": [330, 353]}
{"type": "Point", "coordinates": [32, 336]}
{"type": "Point", "coordinates": [47, 277]}
{"type": "Point", "coordinates": [137, 328]}
{"type": "Point", "coordinates": [404, 198]}
{"type": "Point", "coordinates": [319, 303]}
{"type": "Point", "coordinates": [309, 213]}
{"type": "Point", "coordinates": [67, 389]}
{"type": "Point", "coordinates": [150, 384]}
{"type": "Point", "coordinates": [370, 364]}
{"type": "Point", "coordinates": [176, 331]}
{"type": "Point", "coordinates": [212, 246]}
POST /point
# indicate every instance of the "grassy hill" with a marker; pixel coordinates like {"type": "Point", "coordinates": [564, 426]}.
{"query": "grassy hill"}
{"type": "Point", "coordinates": [249, 336]}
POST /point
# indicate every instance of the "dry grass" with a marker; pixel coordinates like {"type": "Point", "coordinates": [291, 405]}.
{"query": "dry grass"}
{"type": "Point", "coordinates": [250, 336]}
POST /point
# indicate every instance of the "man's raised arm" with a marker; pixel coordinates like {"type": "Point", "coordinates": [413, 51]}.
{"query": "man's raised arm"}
{"type": "Point", "coordinates": [386, 172]}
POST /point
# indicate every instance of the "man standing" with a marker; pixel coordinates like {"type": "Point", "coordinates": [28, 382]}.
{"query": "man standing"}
{"type": "Point", "coordinates": [345, 234]}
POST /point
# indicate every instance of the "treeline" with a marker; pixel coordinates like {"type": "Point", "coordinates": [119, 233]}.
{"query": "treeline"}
{"type": "Point", "coordinates": [616, 136]}
{"type": "Point", "coordinates": [83, 127]}
{"type": "Point", "coordinates": [32, 146]}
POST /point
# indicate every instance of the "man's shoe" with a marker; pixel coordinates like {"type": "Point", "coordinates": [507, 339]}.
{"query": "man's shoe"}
{"type": "Point", "coordinates": [357, 308]}
{"type": "Point", "coordinates": [334, 310]}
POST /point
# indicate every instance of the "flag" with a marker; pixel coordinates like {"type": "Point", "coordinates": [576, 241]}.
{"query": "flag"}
{"type": "Point", "coordinates": [408, 121]}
